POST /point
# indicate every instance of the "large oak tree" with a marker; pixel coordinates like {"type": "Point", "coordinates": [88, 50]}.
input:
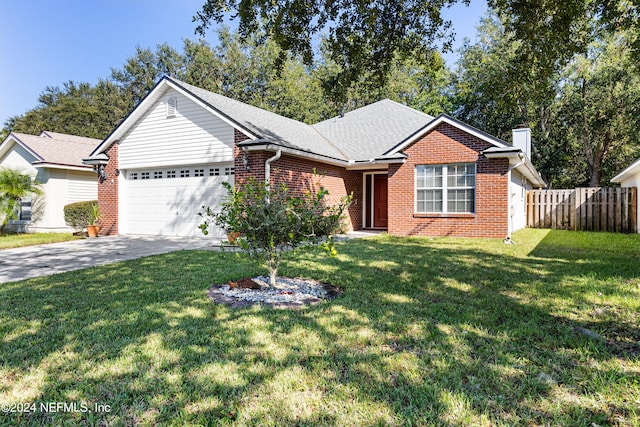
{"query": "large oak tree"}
{"type": "Point", "coordinates": [365, 36]}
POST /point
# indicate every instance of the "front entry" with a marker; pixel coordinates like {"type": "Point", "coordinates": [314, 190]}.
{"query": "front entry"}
{"type": "Point", "coordinates": [375, 200]}
{"type": "Point", "coordinates": [380, 201]}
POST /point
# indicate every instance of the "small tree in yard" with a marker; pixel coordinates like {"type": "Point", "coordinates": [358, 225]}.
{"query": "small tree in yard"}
{"type": "Point", "coordinates": [271, 221]}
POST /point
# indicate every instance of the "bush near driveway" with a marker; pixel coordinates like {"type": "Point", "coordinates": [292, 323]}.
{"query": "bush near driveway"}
{"type": "Point", "coordinates": [80, 214]}
{"type": "Point", "coordinates": [428, 332]}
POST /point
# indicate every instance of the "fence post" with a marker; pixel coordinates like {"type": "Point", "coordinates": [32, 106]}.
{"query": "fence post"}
{"type": "Point", "coordinates": [572, 210]}
{"type": "Point", "coordinates": [610, 210]}
{"type": "Point", "coordinates": [620, 217]}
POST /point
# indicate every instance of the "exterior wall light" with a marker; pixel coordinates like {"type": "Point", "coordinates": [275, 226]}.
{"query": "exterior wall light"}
{"type": "Point", "coordinates": [102, 173]}
{"type": "Point", "coordinates": [245, 162]}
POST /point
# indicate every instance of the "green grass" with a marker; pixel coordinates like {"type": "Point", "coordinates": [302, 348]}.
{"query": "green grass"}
{"type": "Point", "coordinates": [9, 241]}
{"type": "Point", "coordinates": [428, 332]}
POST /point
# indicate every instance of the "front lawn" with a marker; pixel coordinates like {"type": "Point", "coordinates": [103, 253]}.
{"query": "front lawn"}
{"type": "Point", "coordinates": [9, 241]}
{"type": "Point", "coordinates": [428, 332]}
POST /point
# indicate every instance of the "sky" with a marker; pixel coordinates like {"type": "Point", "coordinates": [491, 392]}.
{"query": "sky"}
{"type": "Point", "coordinates": [45, 43]}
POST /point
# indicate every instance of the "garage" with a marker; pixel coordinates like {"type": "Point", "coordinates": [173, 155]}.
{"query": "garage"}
{"type": "Point", "coordinates": [166, 201]}
{"type": "Point", "coordinates": [169, 157]}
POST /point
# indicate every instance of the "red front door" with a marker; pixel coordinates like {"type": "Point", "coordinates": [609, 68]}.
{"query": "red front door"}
{"type": "Point", "coordinates": [380, 201]}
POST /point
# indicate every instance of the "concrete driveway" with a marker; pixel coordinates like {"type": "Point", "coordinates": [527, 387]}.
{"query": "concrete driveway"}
{"type": "Point", "coordinates": [43, 260]}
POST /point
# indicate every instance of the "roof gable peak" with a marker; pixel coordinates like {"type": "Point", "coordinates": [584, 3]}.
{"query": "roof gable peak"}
{"type": "Point", "coordinates": [444, 118]}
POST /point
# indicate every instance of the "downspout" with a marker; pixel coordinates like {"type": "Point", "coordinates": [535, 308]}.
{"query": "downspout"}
{"type": "Point", "coordinates": [522, 161]}
{"type": "Point", "coordinates": [267, 169]}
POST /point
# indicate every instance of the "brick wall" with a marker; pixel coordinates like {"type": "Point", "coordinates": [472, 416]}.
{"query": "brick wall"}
{"type": "Point", "coordinates": [447, 144]}
{"type": "Point", "coordinates": [108, 195]}
{"type": "Point", "coordinates": [298, 174]}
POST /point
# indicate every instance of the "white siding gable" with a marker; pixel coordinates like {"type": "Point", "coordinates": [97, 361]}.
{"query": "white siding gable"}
{"type": "Point", "coordinates": [20, 159]}
{"type": "Point", "coordinates": [193, 136]}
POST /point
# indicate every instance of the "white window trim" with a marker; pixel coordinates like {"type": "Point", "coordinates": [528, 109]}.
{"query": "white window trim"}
{"type": "Point", "coordinates": [444, 189]}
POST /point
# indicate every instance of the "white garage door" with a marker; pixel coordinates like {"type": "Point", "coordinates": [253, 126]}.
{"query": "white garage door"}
{"type": "Point", "coordinates": [167, 201]}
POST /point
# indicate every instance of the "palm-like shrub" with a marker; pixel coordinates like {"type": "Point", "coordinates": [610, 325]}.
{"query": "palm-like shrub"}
{"type": "Point", "coordinates": [14, 185]}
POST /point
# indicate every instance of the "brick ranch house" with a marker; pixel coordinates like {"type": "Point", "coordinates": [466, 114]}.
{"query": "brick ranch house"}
{"type": "Point", "coordinates": [410, 173]}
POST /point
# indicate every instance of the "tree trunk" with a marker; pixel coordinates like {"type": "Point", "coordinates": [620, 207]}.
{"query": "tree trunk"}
{"type": "Point", "coordinates": [595, 176]}
{"type": "Point", "coordinates": [273, 275]}
{"type": "Point", "coordinates": [273, 258]}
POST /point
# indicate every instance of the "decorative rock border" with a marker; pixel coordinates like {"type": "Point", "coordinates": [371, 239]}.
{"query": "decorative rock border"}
{"type": "Point", "coordinates": [216, 295]}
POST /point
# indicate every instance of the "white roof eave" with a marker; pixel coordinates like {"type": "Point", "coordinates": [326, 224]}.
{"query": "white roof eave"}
{"type": "Point", "coordinates": [627, 172]}
{"type": "Point", "coordinates": [519, 162]}
{"type": "Point", "coordinates": [45, 165]}
{"type": "Point", "coordinates": [530, 172]}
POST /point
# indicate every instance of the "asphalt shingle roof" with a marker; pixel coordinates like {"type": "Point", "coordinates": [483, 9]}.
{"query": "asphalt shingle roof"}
{"type": "Point", "coordinates": [358, 135]}
{"type": "Point", "coordinates": [370, 131]}
{"type": "Point", "coordinates": [60, 148]}
{"type": "Point", "coordinates": [264, 124]}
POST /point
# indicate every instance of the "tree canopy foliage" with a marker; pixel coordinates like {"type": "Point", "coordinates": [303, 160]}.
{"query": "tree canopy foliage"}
{"type": "Point", "coordinates": [552, 32]}
{"type": "Point", "coordinates": [583, 116]}
{"type": "Point", "coordinates": [363, 37]}
{"type": "Point", "coordinates": [75, 109]}
{"type": "Point", "coordinates": [596, 109]}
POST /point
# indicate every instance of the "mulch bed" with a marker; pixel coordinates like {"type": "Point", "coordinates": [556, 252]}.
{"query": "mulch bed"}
{"type": "Point", "coordinates": [216, 295]}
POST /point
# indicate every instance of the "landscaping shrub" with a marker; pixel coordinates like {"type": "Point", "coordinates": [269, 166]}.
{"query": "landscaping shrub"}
{"type": "Point", "coordinates": [79, 214]}
{"type": "Point", "coordinates": [272, 220]}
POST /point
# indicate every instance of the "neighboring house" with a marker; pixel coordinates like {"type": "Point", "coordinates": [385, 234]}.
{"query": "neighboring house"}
{"type": "Point", "coordinates": [630, 177]}
{"type": "Point", "coordinates": [410, 173]}
{"type": "Point", "coordinates": [54, 160]}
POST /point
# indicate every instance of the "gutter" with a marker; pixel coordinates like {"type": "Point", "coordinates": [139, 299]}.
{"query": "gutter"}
{"type": "Point", "coordinates": [520, 163]}
{"type": "Point", "coordinates": [267, 145]}
{"type": "Point", "coordinates": [98, 159]}
{"type": "Point", "coordinates": [267, 171]}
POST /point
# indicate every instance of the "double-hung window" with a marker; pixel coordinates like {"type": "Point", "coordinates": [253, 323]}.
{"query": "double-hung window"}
{"type": "Point", "coordinates": [449, 188]}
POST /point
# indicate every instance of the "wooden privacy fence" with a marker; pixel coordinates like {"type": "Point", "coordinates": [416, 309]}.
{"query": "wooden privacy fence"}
{"type": "Point", "coordinates": [590, 209]}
